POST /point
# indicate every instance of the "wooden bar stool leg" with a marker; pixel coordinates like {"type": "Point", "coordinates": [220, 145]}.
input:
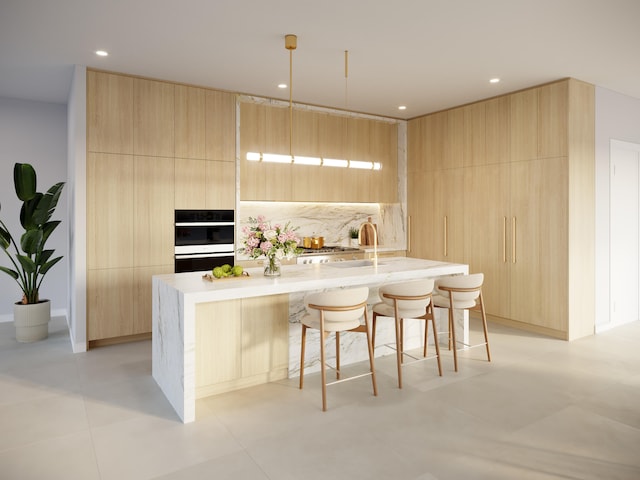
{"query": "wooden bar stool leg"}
{"type": "Point", "coordinates": [371, 365]}
{"type": "Point", "coordinates": [338, 355]}
{"type": "Point", "coordinates": [435, 337]}
{"type": "Point", "coordinates": [426, 338]}
{"type": "Point", "coordinates": [304, 339]}
{"type": "Point", "coordinates": [449, 320]}
{"type": "Point", "coordinates": [402, 340]}
{"type": "Point", "coordinates": [452, 331]}
{"type": "Point", "coordinates": [484, 326]}
{"type": "Point", "coordinates": [399, 352]}
{"type": "Point", "coordinates": [373, 330]}
{"type": "Point", "coordinates": [322, 370]}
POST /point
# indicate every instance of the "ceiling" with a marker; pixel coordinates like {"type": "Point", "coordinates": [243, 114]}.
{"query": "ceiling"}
{"type": "Point", "coordinates": [425, 54]}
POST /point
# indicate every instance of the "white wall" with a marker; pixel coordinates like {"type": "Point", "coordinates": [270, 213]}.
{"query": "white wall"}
{"type": "Point", "coordinates": [76, 226]}
{"type": "Point", "coordinates": [35, 133]}
{"type": "Point", "coordinates": [617, 118]}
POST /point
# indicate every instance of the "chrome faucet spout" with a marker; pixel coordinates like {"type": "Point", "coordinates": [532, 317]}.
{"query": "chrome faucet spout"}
{"type": "Point", "coordinates": [375, 239]}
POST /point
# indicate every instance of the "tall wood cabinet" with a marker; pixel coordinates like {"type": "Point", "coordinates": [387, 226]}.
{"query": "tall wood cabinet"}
{"type": "Point", "coordinates": [524, 198]}
{"type": "Point", "coordinates": [152, 147]}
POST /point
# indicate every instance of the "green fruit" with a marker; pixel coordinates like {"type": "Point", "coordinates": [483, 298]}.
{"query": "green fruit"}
{"type": "Point", "coordinates": [217, 272]}
{"type": "Point", "coordinates": [237, 270]}
{"type": "Point", "coordinates": [226, 268]}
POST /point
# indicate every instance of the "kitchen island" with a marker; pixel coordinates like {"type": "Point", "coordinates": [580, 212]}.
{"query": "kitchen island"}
{"type": "Point", "coordinates": [214, 336]}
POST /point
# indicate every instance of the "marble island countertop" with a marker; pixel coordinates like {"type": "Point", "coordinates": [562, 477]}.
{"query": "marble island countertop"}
{"type": "Point", "coordinates": [300, 278]}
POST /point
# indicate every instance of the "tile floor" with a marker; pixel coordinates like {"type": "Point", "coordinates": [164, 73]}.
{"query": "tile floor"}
{"type": "Point", "coordinates": [542, 409]}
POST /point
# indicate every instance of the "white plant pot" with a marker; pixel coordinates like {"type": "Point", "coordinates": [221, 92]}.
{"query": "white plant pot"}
{"type": "Point", "coordinates": [32, 321]}
{"type": "Point", "coordinates": [354, 242]}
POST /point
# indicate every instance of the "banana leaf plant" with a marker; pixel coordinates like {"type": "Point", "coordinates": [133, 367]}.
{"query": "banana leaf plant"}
{"type": "Point", "coordinates": [31, 261]}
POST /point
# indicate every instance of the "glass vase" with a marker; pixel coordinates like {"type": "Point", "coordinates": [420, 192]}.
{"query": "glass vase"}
{"type": "Point", "coordinates": [272, 267]}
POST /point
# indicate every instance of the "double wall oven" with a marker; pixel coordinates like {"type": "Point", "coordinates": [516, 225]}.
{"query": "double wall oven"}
{"type": "Point", "coordinates": [204, 239]}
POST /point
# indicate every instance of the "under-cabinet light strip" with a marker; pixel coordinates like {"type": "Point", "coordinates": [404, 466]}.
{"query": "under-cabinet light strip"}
{"type": "Point", "coordinates": [315, 161]}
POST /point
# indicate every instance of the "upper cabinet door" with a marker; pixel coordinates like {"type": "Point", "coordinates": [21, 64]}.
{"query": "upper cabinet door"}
{"type": "Point", "coordinates": [190, 122]}
{"type": "Point", "coordinates": [524, 125]}
{"type": "Point", "coordinates": [474, 134]}
{"type": "Point", "coordinates": [498, 125]}
{"type": "Point", "coordinates": [266, 129]}
{"type": "Point", "coordinates": [553, 112]}
{"type": "Point", "coordinates": [109, 113]}
{"type": "Point", "coordinates": [220, 126]}
{"type": "Point", "coordinates": [153, 117]}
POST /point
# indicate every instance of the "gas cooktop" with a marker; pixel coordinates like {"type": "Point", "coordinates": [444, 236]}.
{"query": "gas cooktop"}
{"type": "Point", "coordinates": [328, 250]}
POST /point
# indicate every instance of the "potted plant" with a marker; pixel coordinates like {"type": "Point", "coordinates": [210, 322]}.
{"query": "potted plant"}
{"type": "Point", "coordinates": [353, 235]}
{"type": "Point", "coordinates": [30, 260]}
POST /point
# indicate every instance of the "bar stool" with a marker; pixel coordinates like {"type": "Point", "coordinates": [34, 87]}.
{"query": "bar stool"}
{"type": "Point", "coordinates": [463, 292]}
{"type": "Point", "coordinates": [336, 311]}
{"type": "Point", "coordinates": [408, 300]}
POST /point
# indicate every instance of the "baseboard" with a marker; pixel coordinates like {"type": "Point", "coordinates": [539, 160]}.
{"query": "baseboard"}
{"type": "Point", "coordinates": [117, 340]}
{"type": "Point", "coordinates": [528, 327]}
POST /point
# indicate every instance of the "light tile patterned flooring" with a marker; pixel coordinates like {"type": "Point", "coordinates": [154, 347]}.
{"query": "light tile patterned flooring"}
{"type": "Point", "coordinates": [542, 409]}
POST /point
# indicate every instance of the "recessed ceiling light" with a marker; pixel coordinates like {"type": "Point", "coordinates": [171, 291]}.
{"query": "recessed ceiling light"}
{"type": "Point", "coordinates": [402, 107]}
{"type": "Point", "coordinates": [282, 85]}
{"type": "Point", "coordinates": [494, 80]}
{"type": "Point", "coordinates": [102, 53]}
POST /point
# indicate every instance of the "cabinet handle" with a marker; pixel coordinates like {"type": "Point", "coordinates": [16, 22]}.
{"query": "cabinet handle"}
{"type": "Point", "coordinates": [513, 239]}
{"type": "Point", "coordinates": [409, 233]}
{"type": "Point", "coordinates": [504, 239]}
{"type": "Point", "coordinates": [446, 231]}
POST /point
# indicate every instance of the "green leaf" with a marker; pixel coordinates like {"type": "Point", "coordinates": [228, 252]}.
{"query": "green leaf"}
{"type": "Point", "coordinates": [47, 204]}
{"type": "Point", "coordinates": [27, 264]}
{"type": "Point", "coordinates": [27, 212]}
{"type": "Point", "coordinates": [47, 229]}
{"type": "Point", "coordinates": [44, 256]}
{"type": "Point", "coordinates": [45, 268]}
{"type": "Point", "coordinates": [31, 241]}
{"type": "Point", "coordinates": [5, 238]}
{"type": "Point", "coordinates": [24, 180]}
{"type": "Point", "coordinates": [10, 272]}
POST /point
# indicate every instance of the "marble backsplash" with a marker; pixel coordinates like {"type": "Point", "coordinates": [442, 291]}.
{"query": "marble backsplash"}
{"type": "Point", "coordinates": [329, 220]}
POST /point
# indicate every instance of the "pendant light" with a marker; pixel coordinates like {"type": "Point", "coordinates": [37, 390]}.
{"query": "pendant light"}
{"type": "Point", "coordinates": [291, 44]}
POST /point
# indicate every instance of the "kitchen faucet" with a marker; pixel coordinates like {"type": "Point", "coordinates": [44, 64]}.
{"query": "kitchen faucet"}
{"type": "Point", "coordinates": [375, 239]}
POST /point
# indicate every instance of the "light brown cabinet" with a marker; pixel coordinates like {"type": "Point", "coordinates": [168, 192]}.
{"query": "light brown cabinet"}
{"type": "Point", "coordinates": [487, 245]}
{"type": "Point", "coordinates": [516, 226]}
{"type": "Point", "coordinates": [109, 113]}
{"type": "Point", "coordinates": [266, 128]}
{"type": "Point", "coordinates": [539, 289]}
{"type": "Point", "coordinates": [435, 209]}
{"type": "Point", "coordinates": [523, 189]}
{"type": "Point", "coordinates": [190, 122]}
{"type": "Point", "coordinates": [153, 206]}
{"type": "Point", "coordinates": [110, 213]}
{"type": "Point", "coordinates": [153, 118]}
{"type": "Point", "coordinates": [240, 343]}
{"type": "Point", "coordinates": [152, 147]}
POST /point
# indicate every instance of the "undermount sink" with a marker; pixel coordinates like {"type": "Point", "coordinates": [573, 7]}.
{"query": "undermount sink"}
{"type": "Point", "coordinates": [352, 264]}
